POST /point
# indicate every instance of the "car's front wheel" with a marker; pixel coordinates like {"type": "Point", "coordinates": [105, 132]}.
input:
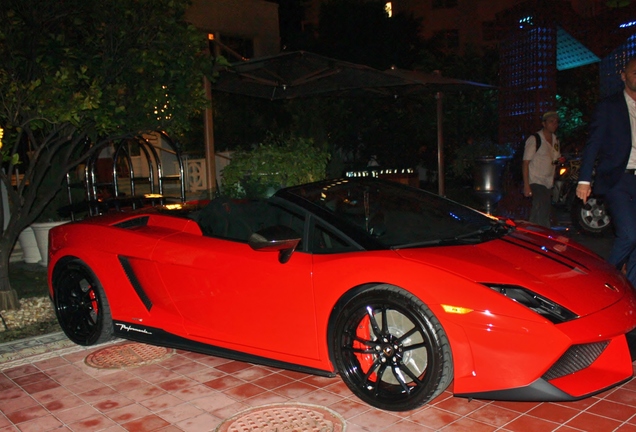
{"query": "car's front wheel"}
{"type": "Point", "coordinates": [592, 217]}
{"type": "Point", "coordinates": [80, 304]}
{"type": "Point", "coordinates": [391, 350]}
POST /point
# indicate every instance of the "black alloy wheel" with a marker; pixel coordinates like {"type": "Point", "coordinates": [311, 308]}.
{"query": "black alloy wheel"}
{"type": "Point", "coordinates": [80, 304]}
{"type": "Point", "coordinates": [391, 350]}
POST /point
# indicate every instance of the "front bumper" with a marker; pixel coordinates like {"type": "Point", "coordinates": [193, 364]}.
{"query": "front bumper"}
{"type": "Point", "coordinates": [610, 368]}
{"type": "Point", "coordinates": [511, 359]}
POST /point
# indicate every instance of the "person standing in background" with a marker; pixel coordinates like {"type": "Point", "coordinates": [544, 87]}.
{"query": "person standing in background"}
{"type": "Point", "coordinates": [539, 162]}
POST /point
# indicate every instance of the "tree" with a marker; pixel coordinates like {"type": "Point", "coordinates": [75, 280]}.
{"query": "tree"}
{"type": "Point", "coordinates": [76, 74]}
{"type": "Point", "coordinates": [577, 95]}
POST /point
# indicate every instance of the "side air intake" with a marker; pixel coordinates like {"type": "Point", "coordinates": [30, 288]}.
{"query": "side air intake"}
{"type": "Point", "coordinates": [577, 357]}
{"type": "Point", "coordinates": [132, 277]}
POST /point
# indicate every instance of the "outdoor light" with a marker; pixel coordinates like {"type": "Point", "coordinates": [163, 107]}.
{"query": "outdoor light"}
{"type": "Point", "coordinates": [525, 21]}
{"type": "Point", "coordinates": [162, 111]}
{"type": "Point", "coordinates": [174, 206]}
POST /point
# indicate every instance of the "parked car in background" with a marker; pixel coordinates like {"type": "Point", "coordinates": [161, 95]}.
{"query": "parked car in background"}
{"type": "Point", "coordinates": [592, 217]}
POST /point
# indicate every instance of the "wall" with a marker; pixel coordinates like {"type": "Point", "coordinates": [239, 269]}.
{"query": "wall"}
{"type": "Point", "coordinates": [253, 19]}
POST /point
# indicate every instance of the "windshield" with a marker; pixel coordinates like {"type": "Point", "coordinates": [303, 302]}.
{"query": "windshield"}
{"type": "Point", "coordinates": [399, 216]}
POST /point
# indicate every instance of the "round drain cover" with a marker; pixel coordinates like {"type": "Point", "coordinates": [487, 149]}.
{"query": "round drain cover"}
{"type": "Point", "coordinates": [127, 355]}
{"type": "Point", "coordinates": [284, 417]}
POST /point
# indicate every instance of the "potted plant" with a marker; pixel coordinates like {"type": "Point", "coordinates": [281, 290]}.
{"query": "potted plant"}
{"type": "Point", "coordinates": [29, 246]}
{"type": "Point", "coordinates": [49, 218]}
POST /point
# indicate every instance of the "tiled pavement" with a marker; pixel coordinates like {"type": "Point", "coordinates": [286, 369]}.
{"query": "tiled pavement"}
{"type": "Point", "coordinates": [46, 384]}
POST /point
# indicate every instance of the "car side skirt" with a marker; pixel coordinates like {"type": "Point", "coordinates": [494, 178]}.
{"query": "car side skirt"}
{"type": "Point", "coordinates": [539, 391]}
{"type": "Point", "coordinates": [156, 336]}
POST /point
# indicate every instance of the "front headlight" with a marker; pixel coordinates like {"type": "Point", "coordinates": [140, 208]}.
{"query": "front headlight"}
{"type": "Point", "coordinates": [541, 305]}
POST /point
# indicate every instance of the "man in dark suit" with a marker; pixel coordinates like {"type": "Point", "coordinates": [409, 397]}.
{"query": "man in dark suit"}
{"type": "Point", "coordinates": [610, 145]}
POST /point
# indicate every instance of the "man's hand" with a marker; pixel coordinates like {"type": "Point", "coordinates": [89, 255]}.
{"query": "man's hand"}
{"type": "Point", "coordinates": [527, 192]}
{"type": "Point", "coordinates": [583, 191]}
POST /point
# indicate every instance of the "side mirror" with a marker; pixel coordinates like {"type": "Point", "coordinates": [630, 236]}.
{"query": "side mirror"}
{"type": "Point", "coordinates": [276, 238]}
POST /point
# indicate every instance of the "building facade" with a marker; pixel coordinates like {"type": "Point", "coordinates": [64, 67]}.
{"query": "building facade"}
{"type": "Point", "coordinates": [535, 39]}
{"type": "Point", "coordinates": [241, 28]}
{"type": "Point", "coordinates": [458, 24]}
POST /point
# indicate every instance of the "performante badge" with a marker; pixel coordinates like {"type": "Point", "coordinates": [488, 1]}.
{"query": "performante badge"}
{"type": "Point", "coordinates": [128, 328]}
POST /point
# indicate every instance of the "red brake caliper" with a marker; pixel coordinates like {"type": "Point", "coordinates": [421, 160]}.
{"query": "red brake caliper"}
{"type": "Point", "coordinates": [91, 295]}
{"type": "Point", "coordinates": [366, 360]}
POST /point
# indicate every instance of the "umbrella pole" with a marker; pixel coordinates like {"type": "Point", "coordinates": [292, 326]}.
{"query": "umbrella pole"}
{"type": "Point", "coordinates": [440, 144]}
{"type": "Point", "coordinates": [210, 161]}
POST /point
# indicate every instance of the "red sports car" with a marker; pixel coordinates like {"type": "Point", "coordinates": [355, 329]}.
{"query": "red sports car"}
{"type": "Point", "coordinates": [399, 291]}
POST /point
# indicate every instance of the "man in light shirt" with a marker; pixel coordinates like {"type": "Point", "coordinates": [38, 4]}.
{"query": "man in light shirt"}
{"type": "Point", "coordinates": [612, 147]}
{"type": "Point", "coordinates": [539, 161]}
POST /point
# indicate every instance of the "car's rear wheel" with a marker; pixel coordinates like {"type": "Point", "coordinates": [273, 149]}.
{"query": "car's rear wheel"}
{"type": "Point", "coordinates": [391, 350]}
{"type": "Point", "coordinates": [80, 303]}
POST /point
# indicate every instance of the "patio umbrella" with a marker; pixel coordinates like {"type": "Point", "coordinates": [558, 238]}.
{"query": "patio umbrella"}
{"type": "Point", "coordinates": [423, 81]}
{"type": "Point", "coordinates": [295, 74]}
{"type": "Point", "coordinates": [435, 83]}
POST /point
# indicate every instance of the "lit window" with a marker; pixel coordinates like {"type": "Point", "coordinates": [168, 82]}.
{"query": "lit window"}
{"type": "Point", "coordinates": [388, 7]}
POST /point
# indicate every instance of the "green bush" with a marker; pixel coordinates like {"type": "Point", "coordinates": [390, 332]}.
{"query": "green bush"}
{"type": "Point", "coordinates": [273, 164]}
